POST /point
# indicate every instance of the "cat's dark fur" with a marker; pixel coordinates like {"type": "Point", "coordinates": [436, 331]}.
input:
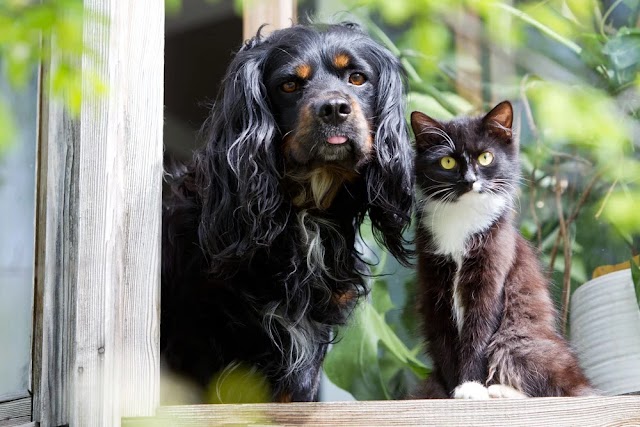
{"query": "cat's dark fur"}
{"type": "Point", "coordinates": [488, 317]}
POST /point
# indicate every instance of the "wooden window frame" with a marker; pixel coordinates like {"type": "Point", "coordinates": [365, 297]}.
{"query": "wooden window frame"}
{"type": "Point", "coordinates": [96, 311]}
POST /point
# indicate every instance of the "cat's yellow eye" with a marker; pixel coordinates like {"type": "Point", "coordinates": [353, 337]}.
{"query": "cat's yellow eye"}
{"type": "Point", "coordinates": [448, 162]}
{"type": "Point", "coordinates": [485, 159]}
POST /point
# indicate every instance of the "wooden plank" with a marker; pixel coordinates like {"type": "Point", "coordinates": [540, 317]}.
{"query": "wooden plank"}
{"type": "Point", "coordinates": [15, 411]}
{"type": "Point", "coordinates": [18, 422]}
{"type": "Point", "coordinates": [275, 13]}
{"type": "Point", "coordinates": [96, 350]}
{"type": "Point", "coordinates": [590, 411]}
{"type": "Point", "coordinates": [54, 283]}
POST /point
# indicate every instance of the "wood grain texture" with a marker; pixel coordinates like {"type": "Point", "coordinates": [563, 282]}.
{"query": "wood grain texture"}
{"type": "Point", "coordinates": [18, 422]}
{"type": "Point", "coordinates": [557, 412]}
{"type": "Point", "coordinates": [275, 14]}
{"type": "Point", "coordinates": [15, 411]}
{"type": "Point", "coordinates": [96, 349]}
{"type": "Point", "coordinates": [54, 283]}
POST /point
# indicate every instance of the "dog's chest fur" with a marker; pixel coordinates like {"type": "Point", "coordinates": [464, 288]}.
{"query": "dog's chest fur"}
{"type": "Point", "coordinates": [308, 286]}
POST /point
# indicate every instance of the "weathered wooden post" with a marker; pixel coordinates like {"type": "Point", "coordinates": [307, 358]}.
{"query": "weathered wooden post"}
{"type": "Point", "coordinates": [96, 345]}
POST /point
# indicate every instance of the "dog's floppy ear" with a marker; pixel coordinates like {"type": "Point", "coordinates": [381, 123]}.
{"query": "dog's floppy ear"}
{"type": "Point", "coordinates": [237, 170]}
{"type": "Point", "coordinates": [390, 175]}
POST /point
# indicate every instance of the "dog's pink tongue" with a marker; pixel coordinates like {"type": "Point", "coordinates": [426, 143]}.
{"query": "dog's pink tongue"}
{"type": "Point", "coordinates": [337, 139]}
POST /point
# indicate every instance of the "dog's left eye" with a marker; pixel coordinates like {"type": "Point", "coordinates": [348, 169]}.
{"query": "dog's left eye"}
{"type": "Point", "coordinates": [357, 79]}
{"type": "Point", "coordinates": [289, 87]}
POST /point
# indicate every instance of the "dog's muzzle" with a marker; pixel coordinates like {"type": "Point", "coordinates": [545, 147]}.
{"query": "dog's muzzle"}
{"type": "Point", "coordinates": [331, 128]}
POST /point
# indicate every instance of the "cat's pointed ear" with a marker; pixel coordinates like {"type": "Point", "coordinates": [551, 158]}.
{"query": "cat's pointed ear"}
{"type": "Point", "coordinates": [427, 130]}
{"type": "Point", "coordinates": [499, 120]}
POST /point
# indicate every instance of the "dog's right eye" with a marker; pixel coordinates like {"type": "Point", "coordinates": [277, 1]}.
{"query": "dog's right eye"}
{"type": "Point", "coordinates": [289, 87]}
{"type": "Point", "coordinates": [357, 79]}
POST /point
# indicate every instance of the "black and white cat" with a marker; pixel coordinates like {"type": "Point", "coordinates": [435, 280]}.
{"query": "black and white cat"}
{"type": "Point", "coordinates": [488, 318]}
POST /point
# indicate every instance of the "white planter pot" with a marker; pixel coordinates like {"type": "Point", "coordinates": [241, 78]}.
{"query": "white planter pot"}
{"type": "Point", "coordinates": [605, 332]}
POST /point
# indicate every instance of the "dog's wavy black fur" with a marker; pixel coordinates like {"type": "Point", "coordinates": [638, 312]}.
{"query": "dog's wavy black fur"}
{"type": "Point", "coordinates": [306, 138]}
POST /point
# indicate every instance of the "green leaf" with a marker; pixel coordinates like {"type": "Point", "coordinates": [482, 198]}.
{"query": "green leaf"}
{"type": "Point", "coordinates": [635, 276]}
{"type": "Point", "coordinates": [380, 298]}
{"type": "Point", "coordinates": [428, 105]}
{"type": "Point", "coordinates": [592, 50]}
{"type": "Point", "coordinates": [354, 363]}
{"type": "Point", "coordinates": [623, 50]}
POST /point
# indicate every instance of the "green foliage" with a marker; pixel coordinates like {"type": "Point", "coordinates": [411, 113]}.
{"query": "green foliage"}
{"type": "Point", "coordinates": [34, 32]}
{"type": "Point", "coordinates": [370, 360]}
{"type": "Point", "coordinates": [635, 276]}
{"type": "Point", "coordinates": [576, 81]}
{"type": "Point", "coordinates": [377, 355]}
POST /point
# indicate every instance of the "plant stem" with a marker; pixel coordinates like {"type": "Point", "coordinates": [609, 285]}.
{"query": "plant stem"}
{"type": "Point", "coordinates": [540, 26]}
{"type": "Point", "coordinates": [566, 241]}
{"type": "Point", "coordinates": [534, 188]}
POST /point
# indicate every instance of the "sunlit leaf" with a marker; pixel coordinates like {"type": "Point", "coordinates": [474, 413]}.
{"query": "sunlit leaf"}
{"type": "Point", "coordinates": [622, 209]}
{"type": "Point", "coordinates": [238, 383]}
{"type": "Point", "coordinates": [428, 105]}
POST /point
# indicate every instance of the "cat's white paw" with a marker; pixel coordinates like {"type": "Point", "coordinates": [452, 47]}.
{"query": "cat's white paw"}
{"type": "Point", "coordinates": [501, 391]}
{"type": "Point", "coordinates": [471, 390]}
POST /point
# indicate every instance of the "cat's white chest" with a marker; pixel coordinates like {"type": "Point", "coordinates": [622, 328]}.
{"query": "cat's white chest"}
{"type": "Point", "coordinates": [452, 224]}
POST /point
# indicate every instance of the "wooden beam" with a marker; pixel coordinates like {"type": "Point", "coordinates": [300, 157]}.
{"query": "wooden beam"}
{"type": "Point", "coordinates": [96, 347]}
{"type": "Point", "coordinates": [275, 13]}
{"type": "Point", "coordinates": [557, 412]}
{"type": "Point", "coordinates": [15, 410]}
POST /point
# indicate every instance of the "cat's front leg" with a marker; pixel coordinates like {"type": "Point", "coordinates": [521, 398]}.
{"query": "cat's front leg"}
{"type": "Point", "coordinates": [479, 326]}
{"type": "Point", "coordinates": [483, 307]}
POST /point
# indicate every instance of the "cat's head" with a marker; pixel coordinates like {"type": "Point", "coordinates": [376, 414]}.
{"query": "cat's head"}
{"type": "Point", "coordinates": [474, 156]}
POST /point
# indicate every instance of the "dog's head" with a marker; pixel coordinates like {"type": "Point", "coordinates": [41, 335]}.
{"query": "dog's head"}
{"type": "Point", "coordinates": [322, 91]}
{"type": "Point", "coordinates": [303, 113]}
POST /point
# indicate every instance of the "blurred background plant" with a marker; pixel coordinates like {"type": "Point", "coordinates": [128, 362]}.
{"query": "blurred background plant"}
{"type": "Point", "coordinates": [24, 25]}
{"type": "Point", "coordinates": [571, 69]}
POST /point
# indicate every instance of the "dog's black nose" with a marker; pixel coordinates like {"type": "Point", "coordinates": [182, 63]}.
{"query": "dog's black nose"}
{"type": "Point", "coordinates": [334, 111]}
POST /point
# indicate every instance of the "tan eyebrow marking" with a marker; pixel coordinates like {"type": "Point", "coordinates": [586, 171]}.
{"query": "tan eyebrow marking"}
{"type": "Point", "coordinates": [303, 71]}
{"type": "Point", "coordinates": [341, 60]}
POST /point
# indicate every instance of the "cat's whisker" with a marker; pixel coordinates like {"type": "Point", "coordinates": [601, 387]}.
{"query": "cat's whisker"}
{"type": "Point", "coordinates": [436, 181]}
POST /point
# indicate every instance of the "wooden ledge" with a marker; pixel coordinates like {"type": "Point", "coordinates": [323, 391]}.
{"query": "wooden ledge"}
{"type": "Point", "coordinates": [552, 411]}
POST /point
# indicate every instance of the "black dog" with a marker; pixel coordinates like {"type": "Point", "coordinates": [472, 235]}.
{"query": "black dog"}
{"type": "Point", "coordinates": [307, 137]}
